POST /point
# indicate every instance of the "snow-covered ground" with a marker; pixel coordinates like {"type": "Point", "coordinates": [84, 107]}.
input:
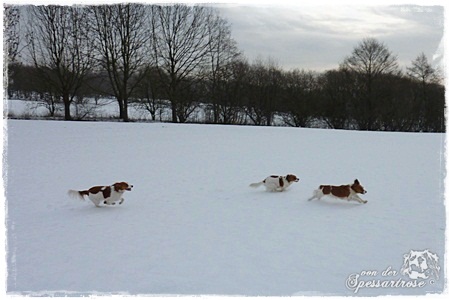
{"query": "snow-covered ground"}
{"type": "Point", "coordinates": [102, 109]}
{"type": "Point", "coordinates": [193, 226]}
{"type": "Point", "coordinates": [108, 109]}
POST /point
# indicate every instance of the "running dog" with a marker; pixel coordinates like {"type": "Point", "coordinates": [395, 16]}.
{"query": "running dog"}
{"type": "Point", "coordinates": [108, 195]}
{"type": "Point", "coordinates": [345, 192]}
{"type": "Point", "coordinates": [276, 183]}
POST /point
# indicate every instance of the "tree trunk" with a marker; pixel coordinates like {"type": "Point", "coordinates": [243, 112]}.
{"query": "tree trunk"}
{"type": "Point", "coordinates": [174, 112]}
{"type": "Point", "coordinates": [66, 101]}
{"type": "Point", "coordinates": [123, 110]}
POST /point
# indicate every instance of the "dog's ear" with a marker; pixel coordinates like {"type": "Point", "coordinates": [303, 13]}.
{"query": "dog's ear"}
{"type": "Point", "coordinates": [120, 186]}
{"type": "Point", "coordinates": [356, 181]}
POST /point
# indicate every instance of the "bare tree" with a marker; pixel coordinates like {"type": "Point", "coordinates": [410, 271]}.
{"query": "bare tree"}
{"type": "Point", "coordinates": [231, 90]}
{"type": "Point", "coordinates": [222, 52]}
{"type": "Point", "coordinates": [429, 104]}
{"type": "Point", "coordinates": [11, 41]}
{"type": "Point", "coordinates": [370, 60]}
{"type": "Point", "coordinates": [150, 93]}
{"type": "Point", "coordinates": [422, 70]}
{"type": "Point", "coordinates": [121, 38]}
{"type": "Point", "coordinates": [398, 105]}
{"type": "Point", "coordinates": [60, 48]}
{"type": "Point", "coordinates": [11, 33]}
{"type": "Point", "coordinates": [264, 91]}
{"type": "Point", "coordinates": [180, 46]}
{"type": "Point", "coordinates": [301, 92]}
{"type": "Point", "coordinates": [338, 91]}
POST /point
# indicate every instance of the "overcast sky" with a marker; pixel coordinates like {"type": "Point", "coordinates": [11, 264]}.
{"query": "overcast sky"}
{"type": "Point", "coordinates": [319, 37]}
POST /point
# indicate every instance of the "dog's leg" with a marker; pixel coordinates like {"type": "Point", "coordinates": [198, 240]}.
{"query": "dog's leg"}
{"type": "Point", "coordinates": [312, 198]}
{"type": "Point", "coordinates": [362, 200]}
{"type": "Point", "coordinates": [109, 202]}
{"type": "Point", "coordinates": [357, 198]}
{"type": "Point", "coordinates": [96, 202]}
{"type": "Point", "coordinates": [317, 194]}
{"type": "Point", "coordinates": [271, 187]}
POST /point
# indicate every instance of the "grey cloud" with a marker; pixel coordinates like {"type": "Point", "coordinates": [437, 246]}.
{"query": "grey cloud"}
{"type": "Point", "coordinates": [320, 37]}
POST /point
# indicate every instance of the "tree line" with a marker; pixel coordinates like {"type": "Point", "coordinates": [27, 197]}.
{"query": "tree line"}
{"type": "Point", "coordinates": [180, 58]}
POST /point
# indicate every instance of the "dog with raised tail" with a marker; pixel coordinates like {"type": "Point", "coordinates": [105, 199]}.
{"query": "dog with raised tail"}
{"type": "Point", "coordinates": [107, 195]}
{"type": "Point", "coordinates": [276, 183]}
{"type": "Point", "coordinates": [344, 192]}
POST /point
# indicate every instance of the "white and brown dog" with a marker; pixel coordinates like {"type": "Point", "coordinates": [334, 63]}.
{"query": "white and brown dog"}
{"type": "Point", "coordinates": [108, 195]}
{"type": "Point", "coordinates": [344, 192]}
{"type": "Point", "coordinates": [276, 183]}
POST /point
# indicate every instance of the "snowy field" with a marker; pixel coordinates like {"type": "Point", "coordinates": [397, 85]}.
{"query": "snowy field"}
{"type": "Point", "coordinates": [193, 226]}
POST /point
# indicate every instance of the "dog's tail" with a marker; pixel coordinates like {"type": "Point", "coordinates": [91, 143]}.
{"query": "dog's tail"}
{"type": "Point", "coordinates": [77, 194]}
{"type": "Point", "coordinates": [256, 184]}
